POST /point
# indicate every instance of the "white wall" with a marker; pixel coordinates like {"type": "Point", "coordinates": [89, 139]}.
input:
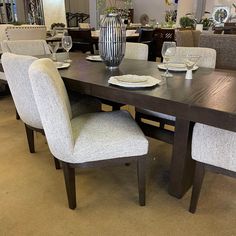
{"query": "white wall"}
{"type": "Point", "coordinates": [54, 12]}
{"type": "Point", "coordinates": [211, 3]}
{"type": "Point", "coordinates": [155, 9]}
{"type": "Point", "coordinates": [77, 6]}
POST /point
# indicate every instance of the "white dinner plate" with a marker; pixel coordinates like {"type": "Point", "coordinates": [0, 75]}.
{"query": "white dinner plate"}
{"type": "Point", "coordinates": [94, 58]}
{"type": "Point", "coordinates": [61, 65]}
{"type": "Point", "coordinates": [175, 67]}
{"type": "Point", "coordinates": [145, 81]}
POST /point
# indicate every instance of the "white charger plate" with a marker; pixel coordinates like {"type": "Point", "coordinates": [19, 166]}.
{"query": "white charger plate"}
{"type": "Point", "coordinates": [176, 67]}
{"type": "Point", "coordinates": [61, 65]}
{"type": "Point", "coordinates": [150, 82]}
{"type": "Point", "coordinates": [94, 58]}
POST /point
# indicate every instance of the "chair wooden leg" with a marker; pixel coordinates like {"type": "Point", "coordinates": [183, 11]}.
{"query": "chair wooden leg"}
{"type": "Point", "coordinates": [17, 115]}
{"type": "Point", "coordinates": [197, 184]}
{"type": "Point", "coordinates": [69, 176]}
{"type": "Point", "coordinates": [30, 138]}
{"type": "Point", "coordinates": [141, 169]}
{"type": "Point", "coordinates": [57, 163]}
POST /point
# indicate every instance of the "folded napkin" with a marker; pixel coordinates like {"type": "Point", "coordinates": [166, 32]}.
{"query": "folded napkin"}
{"type": "Point", "coordinates": [132, 78]}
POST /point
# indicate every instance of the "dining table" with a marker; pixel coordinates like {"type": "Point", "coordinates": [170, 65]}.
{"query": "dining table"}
{"type": "Point", "coordinates": [209, 98]}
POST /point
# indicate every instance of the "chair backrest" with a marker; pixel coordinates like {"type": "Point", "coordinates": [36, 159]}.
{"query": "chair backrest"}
{"type": "Point", "coordinates": [145, 35]}
{"type": "Point", "coordinates": [26, 47]}
{"type": "Point", "coordinates": [138, 51]}
{"type": "Point", "coordinates": [160, 36]}
{"type": "Point", "coordinates": [208, 55]}
{"type": "Point", "coordinates": [225, 48]}
{"type": "Point", "coordinates": [16, 71]}
{"type": "Point", "coordinates": [187, 38]}
{"type": "Point", "coordinates": [3, 35]}
{"type": "Point", "coordinates": [81, 35]}
{"type": "Point", "coordinates": [54, 107]}
{"type": "Point", "coordinates": [26, 32]}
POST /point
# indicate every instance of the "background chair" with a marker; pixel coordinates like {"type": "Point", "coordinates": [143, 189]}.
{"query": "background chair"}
{"type": "Point", "coordinates": [26, 32]}
{"type": "Point", "coordinates": [160, 36]}
{"type": "Point", "coordinates": [212, 149]}
{"type": "Point", "coordinates": [137, 51]}
{"type": "Point", "coordinates": [16, 70]}
{"type": "Point", "coordinates": [208, 59]}
{"type": "Point", "coordinates": [225, 48]}
{"type": "Point", "coordinates": [87, 139]}
{"type": "Point", "coordinates": [26, 47]}
{"type": "Point", "coordinates": [187, 38]}
{"type": "Point", "coordinates": [146, 37]}
{"type": "Point", "coordinates": [82, 40]}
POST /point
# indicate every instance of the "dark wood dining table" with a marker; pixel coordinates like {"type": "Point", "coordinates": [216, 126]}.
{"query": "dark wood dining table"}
{"type": "Point", "coordinates": [209, 98]}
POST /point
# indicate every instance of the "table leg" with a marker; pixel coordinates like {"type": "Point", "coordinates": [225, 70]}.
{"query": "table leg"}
{"type": "Point", "coordinates": [182, 165]}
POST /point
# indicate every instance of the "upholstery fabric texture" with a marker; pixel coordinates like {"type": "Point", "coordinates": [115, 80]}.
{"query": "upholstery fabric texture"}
{"type": "Point", "coordinates": [26, 47]}
{"type": "Point", "coordinates": [225, 48]}
{"type": "Point", "coordinates": [207, 55]}
{"type": "Point", "coordinates": [88, 137]}
{"type": "Point", "coordinates": [16, 70]}
{"type": "Point", "coordinates": [214, 146]}
{"type": "Point", "coordinates": [3, 35]}
{"type": "Point", "coordinates": [187, 38]}
{"type": "Point", "coordinates": [137, 51]}
{"type": "Point", "coordinates": [208, 60]}
{"type": "Point", "coordinates": [26, 32]}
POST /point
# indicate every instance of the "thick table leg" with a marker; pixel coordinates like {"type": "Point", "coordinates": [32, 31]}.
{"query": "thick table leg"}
{"type": "Point", "coordinates": [182, 165]}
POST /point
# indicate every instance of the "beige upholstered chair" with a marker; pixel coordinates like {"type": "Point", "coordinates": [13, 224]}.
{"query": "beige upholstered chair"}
{"type": "Point", "coordinates": [88, 139]}
{"type": "Point", "coordinates": [138, 51]}
{"type": "Point", "coordinates": [225, 48]}
{"type": "Point", "coordinates": [26, 32]}
{"type": "Point", "coordinates": [213, 149]}
{"type": "Point", "coordinates": [187, 38]}
{"type": "Point", "coordinates": [26, 47]}
{"type": "Point", "coordinates": [16, 70]}
{"type": "Point", "coordinates": [3, 35]}
{"type": "Point", "coordinates": [208, 59]}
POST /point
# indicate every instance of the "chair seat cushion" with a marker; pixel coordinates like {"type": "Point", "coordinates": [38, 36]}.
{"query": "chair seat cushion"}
{"type": "Point", "coordinates": [106, 135]}
{"type": "Point", "coordinates": [214, 146]}
{"type": "Point", "coordinates": [155, 114]}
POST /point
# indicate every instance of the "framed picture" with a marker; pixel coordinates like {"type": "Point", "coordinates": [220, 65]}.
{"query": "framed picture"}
{"type": "Point", "coordinates": [34, 12]}
{"type": "Point", "coordinates": [221, 14]}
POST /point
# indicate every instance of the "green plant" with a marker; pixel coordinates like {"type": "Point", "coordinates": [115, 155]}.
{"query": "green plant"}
{"type": "Point", "coordinates": [114, 6]}
{"type": "Point", "coordinates": [207, 23]}
{"type": "Point", "coordinates": [57, 25]}
{"type": "Point", "coordinates": [187, 22]}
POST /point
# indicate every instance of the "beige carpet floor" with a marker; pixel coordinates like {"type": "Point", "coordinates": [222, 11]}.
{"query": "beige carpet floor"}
{"type": "Point", "coordinates": [33, 199]}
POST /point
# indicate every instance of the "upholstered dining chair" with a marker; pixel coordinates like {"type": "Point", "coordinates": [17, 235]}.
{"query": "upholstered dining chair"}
{"type": "Point", "coordinates": [85, 140]}
{"type": "Point", "coordinates": [26, 32]}
{"type": "Point", "coordinates": [137, 51]}
{"type": "Point", "coordinates": [208, 60]}
{"type": "Point", "coordinates": [16, 70]}
{"type": "Point", "coordinates": [212, 149]}
{"type": "Point", "coordinates": [26, 47]}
